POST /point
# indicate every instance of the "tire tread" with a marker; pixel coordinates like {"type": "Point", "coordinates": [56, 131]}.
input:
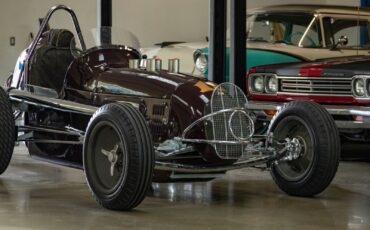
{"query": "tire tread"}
{"type": "Point", "coordinates": [328, 156]}
{"type": "Point", "coordinates": [141, 159]}
{"type": "Point", "coordinates": [7, 134]}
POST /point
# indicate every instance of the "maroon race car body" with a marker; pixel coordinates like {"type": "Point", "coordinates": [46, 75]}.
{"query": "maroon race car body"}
{"type": "Point", "coordinates": [127, 125]}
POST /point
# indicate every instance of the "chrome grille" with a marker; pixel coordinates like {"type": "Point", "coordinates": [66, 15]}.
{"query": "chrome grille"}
{"type": "Point", "coordinates": [315, 85]}
{"type": "Point", "coordinates": [229, 126]}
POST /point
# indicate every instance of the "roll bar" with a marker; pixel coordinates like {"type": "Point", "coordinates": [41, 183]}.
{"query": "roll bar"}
{"type": "Point", "coordinates": [24, 72]}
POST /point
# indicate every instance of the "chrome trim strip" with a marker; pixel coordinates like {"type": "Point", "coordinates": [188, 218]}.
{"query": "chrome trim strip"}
{"type": "Point", "coordinates": [197, 176]}
{"type": "Point", "coordinates": [332, 109]}
{"type": "Point", "coordinates": [317, 78]}
{"type": "Point", "coordinates": [52, 141]}
{"type": "Point", "coordinates": [306, 31]}
{"type": "Point", "coordinates": [28, 137]}
{"type": "Point", "coordinates": [352, 124]}
{"type": "Point", "coordinates": [166, 166]}
{"type": "Point", "coordinates": [52, 103]}
{"type": "Point", "coordinates": [311, 94]}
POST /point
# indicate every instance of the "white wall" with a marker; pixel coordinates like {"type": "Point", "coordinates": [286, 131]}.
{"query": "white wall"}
{"type": "Point", "coordinates": [151, 20]}
{"type": "Point", "coordinates": [163, 20]}
{"type": "Point", "coordinates": [20, 17]}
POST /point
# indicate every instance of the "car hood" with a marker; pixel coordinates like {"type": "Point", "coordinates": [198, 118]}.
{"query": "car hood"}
{"type": "Point", "coordinates": [331, 67]}
{"type": "Point", "coordinates": [136, 82]}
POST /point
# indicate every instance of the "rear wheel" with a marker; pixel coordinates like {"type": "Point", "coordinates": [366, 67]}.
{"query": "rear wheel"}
{"type": "Point", "coordinates": [118, 157]}
{"type": "Point", "coordinates": [313, 131]}
{"type": "Point", "coordinates": [7, 134]}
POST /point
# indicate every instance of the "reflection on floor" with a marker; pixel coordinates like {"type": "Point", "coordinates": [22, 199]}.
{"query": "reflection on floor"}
{"type": "Point", "coordinates": [36, 195]}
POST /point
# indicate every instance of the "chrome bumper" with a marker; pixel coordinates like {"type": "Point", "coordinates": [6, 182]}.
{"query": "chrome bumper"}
{"type": "Point", "coordinates": [332, 109]}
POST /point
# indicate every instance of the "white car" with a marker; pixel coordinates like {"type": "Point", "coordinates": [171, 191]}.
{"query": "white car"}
{"type": "Point", "coordinates": [286, 33]}
{"type": "Point", "coordinates": [183, 51]}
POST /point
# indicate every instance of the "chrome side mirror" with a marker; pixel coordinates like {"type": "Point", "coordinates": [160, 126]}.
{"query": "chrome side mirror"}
{"type": "Point", "coordinates": [343, 40]}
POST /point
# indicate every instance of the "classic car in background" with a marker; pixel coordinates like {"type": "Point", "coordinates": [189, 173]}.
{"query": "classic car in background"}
{"type": "Point", "coordinates": [94, 107]}
{"type": "Point", "coordinates": [341, 85]}
{"type": "Point", "coordinates": [287, 33]}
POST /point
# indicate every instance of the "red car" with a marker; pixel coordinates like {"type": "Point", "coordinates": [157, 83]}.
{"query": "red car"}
{"type": "Point", "coordinates": [341, 85]}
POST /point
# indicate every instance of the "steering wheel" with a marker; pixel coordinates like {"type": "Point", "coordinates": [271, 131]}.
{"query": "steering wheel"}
{"type": "Point", "coordinates": [288, 40]}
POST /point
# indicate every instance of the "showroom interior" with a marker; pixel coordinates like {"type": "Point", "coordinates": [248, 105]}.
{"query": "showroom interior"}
{"type": "Point", "coordinates": [212, 114]}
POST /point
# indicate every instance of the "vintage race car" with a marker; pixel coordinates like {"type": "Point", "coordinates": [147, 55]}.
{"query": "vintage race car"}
{"type": "Point", "coordinates": [287, 33]}
{"type": "Point", "coordinates": [126, 122]}
{"type": "Point", "coordinates": [341, 85]}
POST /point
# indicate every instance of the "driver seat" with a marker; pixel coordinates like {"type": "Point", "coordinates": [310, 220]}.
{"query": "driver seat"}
{"type": "Point", "coordinates": [51, 59]}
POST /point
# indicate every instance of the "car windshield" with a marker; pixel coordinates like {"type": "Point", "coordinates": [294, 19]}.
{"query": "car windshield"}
{"type": "Point", "coordinates": [104, 37]}
{"type": "Point", "coordinates": [290, 28]}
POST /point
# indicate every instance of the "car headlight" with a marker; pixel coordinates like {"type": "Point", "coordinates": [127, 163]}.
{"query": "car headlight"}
{"type": "Point", "coordinates": [201, 63]}
{"type": "Point", "coordinates": [258, 84]}
{"type": "Point", "coordinates": [359, 87]}
{"type": "Point", "coordinates": [271, 84]}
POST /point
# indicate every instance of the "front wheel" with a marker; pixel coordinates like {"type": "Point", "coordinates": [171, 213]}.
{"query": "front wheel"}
{"type": "Point", "coordinates": [314, 166]}
{"type": "Point", "coordinates": [118, 156]}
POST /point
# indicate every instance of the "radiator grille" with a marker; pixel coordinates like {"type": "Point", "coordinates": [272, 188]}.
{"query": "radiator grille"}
{"type": "Point", "coordinates": [314, 85]}
{"type": "Point", "coordinates": [159, 110]}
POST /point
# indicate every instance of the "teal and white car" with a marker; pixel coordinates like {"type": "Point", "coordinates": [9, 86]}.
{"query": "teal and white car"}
{"type": "Point", "coordinates": [286, 33]}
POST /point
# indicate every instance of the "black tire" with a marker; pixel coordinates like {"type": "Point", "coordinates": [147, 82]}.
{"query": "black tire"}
{"type": "Point", "coordinates": [315, 129]}
{"type": "Point", "coordinates": [123, 130]}
{"type": "Point", "coordinates": [7, 134]}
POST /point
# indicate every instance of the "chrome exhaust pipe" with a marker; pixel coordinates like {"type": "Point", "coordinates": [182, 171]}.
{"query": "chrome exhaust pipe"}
{"type": "Point", "coordinates": [174, 65]}
{"type": "Point", "coordinates": [154, 65]}
{"type": "Point", "coordinates": [158, 64]}
{"type": "Point", "coordinates": [150, 65]}
{"type": "Point", "coordinates": [134, 63]}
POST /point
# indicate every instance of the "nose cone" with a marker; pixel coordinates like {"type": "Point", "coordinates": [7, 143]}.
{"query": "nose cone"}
{"type": "Point", "coordinates": [189, 102]}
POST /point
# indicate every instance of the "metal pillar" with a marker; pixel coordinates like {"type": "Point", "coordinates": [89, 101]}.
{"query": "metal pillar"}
{"type": "Point", "coordinates": [217, 41]}
{"type": "Point", "coordinates": [105, 20]}
{"type": "Point", "coordinates": [238, 43]}
{"type": "Point", "coordinates": [365, 3]}
{"type": "Point", "coordinates": [104, 13]}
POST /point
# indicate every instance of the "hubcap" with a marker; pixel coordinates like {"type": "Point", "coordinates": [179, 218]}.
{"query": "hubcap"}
{"type": "Point", "coordinates": [107, 157]}
{"type": "Point", "coordinates": [112, 157]}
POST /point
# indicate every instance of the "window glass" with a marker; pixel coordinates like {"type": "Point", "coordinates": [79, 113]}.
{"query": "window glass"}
{"type": "Point", "coordinates": [289, 28]}
{"type": "Point", "coordinates": [357, 32]}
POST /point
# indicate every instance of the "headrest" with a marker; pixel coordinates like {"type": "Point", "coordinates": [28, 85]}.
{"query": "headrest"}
{"type": "Point", "coordinates": [60, 38]}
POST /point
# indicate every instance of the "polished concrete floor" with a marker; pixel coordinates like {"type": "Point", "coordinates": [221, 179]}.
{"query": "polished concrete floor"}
{"type": "Point", "coordinates": [36, 195]}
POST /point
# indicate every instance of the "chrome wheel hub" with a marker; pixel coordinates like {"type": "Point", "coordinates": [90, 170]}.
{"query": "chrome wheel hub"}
{"type": "Point", "coordinates": [112, 157]}
{"type": "Point", "coordinates": [295, 148]}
